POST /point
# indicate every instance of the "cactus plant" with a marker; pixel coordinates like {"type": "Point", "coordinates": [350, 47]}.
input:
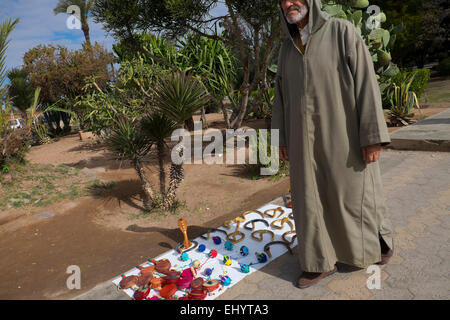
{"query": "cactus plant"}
{"type": "Point", "coordinates": [360, 3]}
{"type": "Point", "coordinates": [379, 40]}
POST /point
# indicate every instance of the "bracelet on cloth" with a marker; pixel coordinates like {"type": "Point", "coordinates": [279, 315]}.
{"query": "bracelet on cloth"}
{"type": "Point", "coordinates": [282, 221]}
{"type": "Point", "coordinates": [252, 222]}
{"type": "Point", "coordinates": [227, 224]}
{"type": "Point", "coordinates": [212, 230]}
{"type": "Point", "coordinates": [292, 239]}
{"type": "Point", "coordinates": [232, 236]}
{"type": "Point", "coordinates": [267, 247]}
{"type": "Point", "coordinates": [252, 211]}
{"type": "Point", "coordinates": [260, 233]}
{"type": "Point", "coordinates": [275, 210]}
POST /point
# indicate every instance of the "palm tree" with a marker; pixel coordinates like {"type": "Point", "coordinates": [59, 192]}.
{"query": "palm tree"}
{"type": "Point", "coordinates": [19, 90]}
{"type": "Point", "coordinates": [5, 29]}
{"type": "Point", "coordinates": [85, 9]}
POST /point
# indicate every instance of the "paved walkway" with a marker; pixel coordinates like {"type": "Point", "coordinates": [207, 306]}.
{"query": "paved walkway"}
{"type": "Point", "coordinates": [417, 192]}
{"type": "Point", "coordinates": [430, 134]}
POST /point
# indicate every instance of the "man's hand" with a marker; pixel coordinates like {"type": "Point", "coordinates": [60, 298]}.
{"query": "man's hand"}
{"type": "Point", "coordinates": [371, 153]}
{"type": "Point", "coordinates": [282, 151]}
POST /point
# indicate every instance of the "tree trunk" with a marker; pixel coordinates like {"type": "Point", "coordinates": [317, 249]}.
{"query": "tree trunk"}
{"type": "Point", "coordinates": [85, 28]}
{"type": "Point", "coordinates": [176, 177]}
{"type": "Point", "coordinates": [237, 122]}
{"type": "Point", "coordinates": [189, 124]}
{"type": "Point", "coordinates": [204, 121]}
{"type": "Point", "coordinates": [148, 194]}
{"type": "Point", "coordinates": [162, 172]}
{"type": "Point", "coordinates": [225, 114]}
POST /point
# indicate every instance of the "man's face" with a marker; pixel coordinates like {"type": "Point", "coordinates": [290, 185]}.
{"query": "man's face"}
{"type": "Point", "coordinates": [294, 10]}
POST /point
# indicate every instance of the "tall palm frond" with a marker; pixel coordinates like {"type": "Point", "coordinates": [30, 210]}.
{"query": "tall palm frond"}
{"type": "Point", "coordinates": [5, 30]}
{"type": "Point", "coordinates": [85, 9]}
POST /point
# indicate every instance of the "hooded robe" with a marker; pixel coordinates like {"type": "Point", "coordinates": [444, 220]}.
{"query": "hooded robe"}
{"type": "Point", "coordinates": [327, 106]}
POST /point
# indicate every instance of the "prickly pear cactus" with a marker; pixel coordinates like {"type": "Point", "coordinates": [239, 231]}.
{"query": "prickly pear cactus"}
{"type": "Point", "coordinates": [368, 21]}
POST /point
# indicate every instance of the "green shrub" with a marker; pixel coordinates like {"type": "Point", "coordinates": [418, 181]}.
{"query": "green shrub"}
{"type": "Point", "coordinates": [444, 67]}
{"type": "Point", "coordinates": [420, 82]}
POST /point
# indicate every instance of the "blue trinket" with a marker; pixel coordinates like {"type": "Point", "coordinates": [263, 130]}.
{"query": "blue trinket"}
{"type": "Point", "coordinates": [201, 248]}
{"type": "Point", "coordinates": [208, 271]}
{"type": "Point", "coordinates": [217, 240]}
{"type": "Point", "coordinates": [185, 257]}
{"type": "Point", "coordinates": [261, 257]}
{"type": "Point", "coordinates": [245, 268]}
{"type": "Point", "coordinates": [244, 251]}
{"type": "Point", "coordinates": [225, 280]}
{"type": "Point", "coordinates": [229, 245]}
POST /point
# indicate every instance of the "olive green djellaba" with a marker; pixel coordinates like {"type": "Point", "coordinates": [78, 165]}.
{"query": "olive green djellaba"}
{"type": "Point", "coordinates": [327, 106]}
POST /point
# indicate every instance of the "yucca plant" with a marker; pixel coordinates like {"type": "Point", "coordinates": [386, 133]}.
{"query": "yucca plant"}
{"type": "Point", "coordinates": [177, 97]}
{"type": "Point", "coordinates": [128, 141]}
{"type": "Point", "coordinates": [157, 126]}
{"type": "Point", "coordinates": [403, 100]}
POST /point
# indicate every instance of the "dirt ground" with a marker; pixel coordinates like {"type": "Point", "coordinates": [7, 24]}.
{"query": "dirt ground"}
{"type": "Point", "coordinates": [107, 234]}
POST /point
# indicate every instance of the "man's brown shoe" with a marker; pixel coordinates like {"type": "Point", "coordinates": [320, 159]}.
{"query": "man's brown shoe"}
{"type": "Point", "coordinates": [386, 256]}
{"type": "Point", "coordinates": [308, 279]}
{"type": "Point", "coordinates": [386, 252]}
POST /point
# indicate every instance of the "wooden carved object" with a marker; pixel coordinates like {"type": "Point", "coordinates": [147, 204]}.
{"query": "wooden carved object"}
{"type": "Point", "coordinates": [183, 227]}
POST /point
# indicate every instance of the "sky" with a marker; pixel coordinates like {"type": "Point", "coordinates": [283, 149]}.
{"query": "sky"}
{"type": "Point", "coordinates": [39, 25]}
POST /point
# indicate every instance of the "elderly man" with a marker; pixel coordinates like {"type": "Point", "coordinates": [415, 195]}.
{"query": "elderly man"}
{"type": "Point", "coordinates": [329, 113]}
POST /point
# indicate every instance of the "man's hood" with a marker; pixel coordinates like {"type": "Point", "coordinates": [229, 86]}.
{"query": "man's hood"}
{"type": "Point", "coordinates": [317, 18]}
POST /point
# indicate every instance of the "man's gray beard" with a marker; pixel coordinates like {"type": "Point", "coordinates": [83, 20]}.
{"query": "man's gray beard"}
{"type": "Point", "coordinates": [299, 17]}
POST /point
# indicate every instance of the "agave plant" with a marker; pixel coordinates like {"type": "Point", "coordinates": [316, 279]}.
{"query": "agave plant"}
{"type": "Point", "coordinates": [403, 100]}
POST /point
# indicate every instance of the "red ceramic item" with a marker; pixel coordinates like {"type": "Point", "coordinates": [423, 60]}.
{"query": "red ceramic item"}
{"type": "Point", "coordinates": [198, 294]}
{"type": "Point", "coordinates": [141, 293]}
{"type": "Point", "coordinates": [156, 283]}
{"type": "Point", "coordinates": [128, 282]}
{"type": "Point", "coordinates": [168, 290]}
{"type": "Point", "coordinates": [197, 283]}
